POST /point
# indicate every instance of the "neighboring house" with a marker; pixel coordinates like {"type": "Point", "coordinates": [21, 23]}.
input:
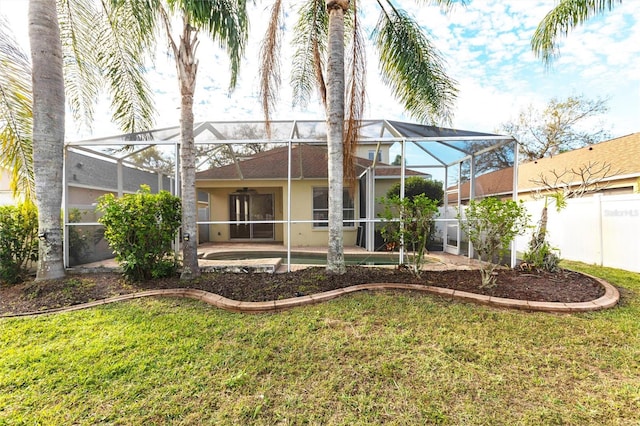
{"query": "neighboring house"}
{"type": "Point", "coordinates": [255, 189]}
{"type": "Point", "coordinates": [620, 156]}
{"type": "Point", "coordinates": [6, 194]}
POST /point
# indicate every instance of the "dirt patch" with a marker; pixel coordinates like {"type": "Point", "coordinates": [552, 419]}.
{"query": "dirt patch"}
{"type": "Point", "coordinates": [563, 286]}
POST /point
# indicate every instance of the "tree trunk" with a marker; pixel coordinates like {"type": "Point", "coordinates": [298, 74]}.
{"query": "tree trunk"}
{"type": "Point", "coordinates": [187, 68]}
{"type": "Point", "coordinates": [48, 133]}
{"type": "Point", "coordinates": [335, 134]}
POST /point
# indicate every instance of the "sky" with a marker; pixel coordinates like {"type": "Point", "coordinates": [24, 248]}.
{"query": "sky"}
{"type": "Point", "coordinates": [485, 46]}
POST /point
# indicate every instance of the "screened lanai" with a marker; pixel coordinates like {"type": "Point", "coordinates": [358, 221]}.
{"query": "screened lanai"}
{"type": "Point", "coordinates": [258, 187]}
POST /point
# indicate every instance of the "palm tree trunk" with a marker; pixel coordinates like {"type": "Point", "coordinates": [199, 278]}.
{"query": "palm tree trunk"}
{"type": "Point", "coordinates": [335, 134]}
{"type": "Point", "coordinates": [187, 68]}
{"type": "Point", "coordinates": [48, 133]}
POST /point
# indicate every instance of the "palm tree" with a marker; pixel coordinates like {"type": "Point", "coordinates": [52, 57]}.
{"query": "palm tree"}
{"type": "Point", "coordinates": [90, 38]}
{"type": "Point", "coordinates": [48, 132]}
{"type": "Point", "coordinates": [224, 21]}
{"type": "Point", "coordinates": [560, 20]}
{"type": "Point", "coordinates": [409, 64]}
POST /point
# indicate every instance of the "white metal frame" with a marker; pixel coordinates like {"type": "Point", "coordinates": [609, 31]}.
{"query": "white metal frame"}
{"type": "Point", "coordinates": [388, 134]}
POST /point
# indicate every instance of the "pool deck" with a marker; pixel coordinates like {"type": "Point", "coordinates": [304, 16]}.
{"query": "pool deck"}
{"type": "Point", "coordinates": [439, 261]}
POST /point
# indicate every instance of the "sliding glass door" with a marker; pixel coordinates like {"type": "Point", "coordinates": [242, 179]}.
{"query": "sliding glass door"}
{"type": "Point", "coordinates": [245, 207]}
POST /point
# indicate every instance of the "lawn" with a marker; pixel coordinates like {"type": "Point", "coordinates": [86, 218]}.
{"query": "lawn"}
{"type": "Point", "coordinates": [394, 358]}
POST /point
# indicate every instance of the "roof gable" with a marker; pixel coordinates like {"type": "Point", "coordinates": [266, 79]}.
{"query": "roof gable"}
{"type": "Point", "coordinates": [307, 162]}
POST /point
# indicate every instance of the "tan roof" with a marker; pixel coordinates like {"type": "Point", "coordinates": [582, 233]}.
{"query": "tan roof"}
{"type": "Point", "coordinates": [307, 161]}
{"type": "Point", "coordinates": [623, 154]}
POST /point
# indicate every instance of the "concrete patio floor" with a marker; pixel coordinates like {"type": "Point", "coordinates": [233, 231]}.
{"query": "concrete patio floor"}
{"type": "Point", "coordinates": [437, 260]}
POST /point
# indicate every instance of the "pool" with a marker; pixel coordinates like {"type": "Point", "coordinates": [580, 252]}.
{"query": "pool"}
{"type": "Point", "coordinates": [302, 258]}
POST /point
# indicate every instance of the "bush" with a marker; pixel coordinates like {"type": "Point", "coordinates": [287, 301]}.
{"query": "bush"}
{"type": "Point", "coordinates": [408, 222]}
{"type": "Point", "coordinates": [541, 255]}
{"type": "Point", "coordinates": [491, 225]}
{"type": "Point", "coordinates": [140, 228]}
{"type": "Point", "coordinates": [18, 241]}
{"type": "Point", "coordinates": [415, 185]}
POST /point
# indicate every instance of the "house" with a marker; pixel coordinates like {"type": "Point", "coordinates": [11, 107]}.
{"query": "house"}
{"type": "Point", "coordinates": [611, 167]}
{"type": "Point", "coordinates": [256, 189]}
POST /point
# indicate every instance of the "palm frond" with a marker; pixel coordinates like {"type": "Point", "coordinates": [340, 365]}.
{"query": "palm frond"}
{"type": "Point", "coordinates": [560, 20]}
{"type": "Point", "coordinates": [16, 118]}
{"type": "Point", "coordinates": [412, 67]}
{"type": "Point", "coordinates": [126, 33]}
{"type": "Point", "coordinates": [270, 64]}
{"type": "Point", "coordinates": [310, 45]}
{"type": "Point", "coordinates": [77, 20]}
{"type": "Point", "coordinates": [356, 88]}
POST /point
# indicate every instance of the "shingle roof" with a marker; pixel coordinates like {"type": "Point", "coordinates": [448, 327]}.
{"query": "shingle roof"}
{"type": "Point", "coordinates": [623, 154]}
{"type": "Point", "coordinates": [307, 161]}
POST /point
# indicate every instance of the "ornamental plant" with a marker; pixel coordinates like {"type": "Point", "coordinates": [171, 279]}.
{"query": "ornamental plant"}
{"type": "Point", "coordinates": [491, 225]}
{"type": "Point", "coordinates": [408, 222]}
{"type": "Point", "coordinates": [140, 228]}
{"type": "Point", "coordinates": [18, 241]}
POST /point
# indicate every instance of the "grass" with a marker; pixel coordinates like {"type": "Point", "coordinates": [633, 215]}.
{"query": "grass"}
{"type": "Point", "coordinates": [394, 358]}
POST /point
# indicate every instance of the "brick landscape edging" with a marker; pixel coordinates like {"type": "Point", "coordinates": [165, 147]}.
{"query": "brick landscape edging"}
{"type": "Point", "coordinates": [608, 300]}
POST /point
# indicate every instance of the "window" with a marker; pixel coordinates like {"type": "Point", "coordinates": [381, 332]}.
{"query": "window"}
{"type": "Point", "coordinates": [373, 153]}
{"type": "Point", "coordinates": [321, 208]}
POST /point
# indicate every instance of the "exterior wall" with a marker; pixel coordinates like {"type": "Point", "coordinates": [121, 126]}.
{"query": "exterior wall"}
{"type": "Point", "coordinates": [302, 234]}
{"type": "Point", "coordinates": [382, 186]}
{"type": "Point", "coordinates": [84, 171]}
{"type": "Point", "coordinates": [6, 196]}
{"type": "Point", "coordinates": [219, 208]}
{"type": "Point", "coordinates": [362, 151]}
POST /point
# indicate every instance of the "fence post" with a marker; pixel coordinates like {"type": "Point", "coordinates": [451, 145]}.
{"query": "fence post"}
{"type": "Point", "coordinates": [598, 198]}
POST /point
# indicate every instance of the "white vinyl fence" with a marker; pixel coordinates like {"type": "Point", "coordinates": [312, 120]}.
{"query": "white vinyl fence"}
{"type": "Point", "coordinates": [600, 230]}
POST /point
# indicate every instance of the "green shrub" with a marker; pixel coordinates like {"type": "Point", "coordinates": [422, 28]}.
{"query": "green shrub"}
{"type": "Point", "coordinates": [140, 228]}
{"type": "Point", "coordinates": [18, 241]}
{"type": "Point", "coordinates": [408, 222]}
{"type": "Point", "coordinates": [541, 255]}
{"type": "Point", "coordinates": [491, 225]}
{"type": "Point", "coordinates": [415, 185]}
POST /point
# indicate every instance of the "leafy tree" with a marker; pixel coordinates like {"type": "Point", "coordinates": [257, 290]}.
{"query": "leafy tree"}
{"type": "Point", "coordinates": [491, 225]}
{"type": "Point", "coordinates": [409, 64]}
{"type": "Point", "coordinates": [557, 128]}
{"type": "Point", "coordinates": [140, 228]}
{"type": "Point", "coordinates": [415, 185]}
{"type": "Point", "coordinates": [152, 158]}
{"type": "Point", "coordinates": [408, 222]}
{"type": "Point", "coordinates": [566, 15]}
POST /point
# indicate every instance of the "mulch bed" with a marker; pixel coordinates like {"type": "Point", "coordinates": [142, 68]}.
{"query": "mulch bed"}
{"type": "Point", "coordinates": [563, 286]}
